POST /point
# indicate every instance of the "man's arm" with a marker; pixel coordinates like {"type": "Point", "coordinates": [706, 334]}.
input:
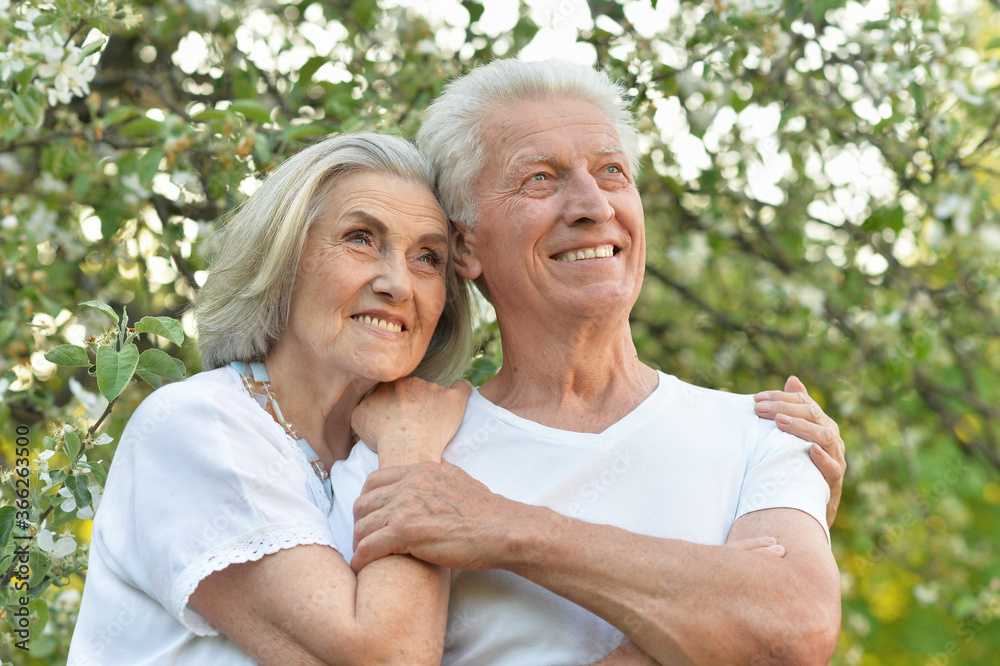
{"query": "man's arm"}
{"type": "Point", "coordinates": [680, 602]}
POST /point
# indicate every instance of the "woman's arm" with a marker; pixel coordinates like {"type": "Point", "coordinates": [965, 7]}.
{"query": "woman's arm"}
{"type": "Point", "coordinates": [305, 602]}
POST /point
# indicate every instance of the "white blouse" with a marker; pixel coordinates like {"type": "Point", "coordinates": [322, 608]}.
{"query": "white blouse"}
{"type": "Point", "coordinates": [203, 478]}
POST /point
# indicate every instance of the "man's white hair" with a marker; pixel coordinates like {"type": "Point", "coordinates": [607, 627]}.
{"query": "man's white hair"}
{"type": "Point", "coordinates": [450, 134]}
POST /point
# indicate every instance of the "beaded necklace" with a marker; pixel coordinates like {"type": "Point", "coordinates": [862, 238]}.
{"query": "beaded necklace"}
{"type": "Point", "coordinates": [256, 372]}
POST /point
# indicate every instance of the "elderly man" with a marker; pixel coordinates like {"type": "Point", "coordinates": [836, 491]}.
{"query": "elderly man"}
{"type": "Point", "coordinates": [592, 496]}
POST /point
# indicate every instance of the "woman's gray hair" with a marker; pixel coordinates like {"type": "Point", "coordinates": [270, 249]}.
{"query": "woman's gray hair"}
{"type": "Point", "coordinates": [243, 308]}
{"type": "Point", "coordinates": [450, 136]}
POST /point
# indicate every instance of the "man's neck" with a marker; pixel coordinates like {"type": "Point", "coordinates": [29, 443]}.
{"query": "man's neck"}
{"type": "Point", "coordinates": [583, 380]}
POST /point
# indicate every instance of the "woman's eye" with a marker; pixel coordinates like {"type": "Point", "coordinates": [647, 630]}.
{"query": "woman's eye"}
{"type": "Point", "coordinates": [431, 258]}
{"type": "Point", "coordinates": [360, 237]}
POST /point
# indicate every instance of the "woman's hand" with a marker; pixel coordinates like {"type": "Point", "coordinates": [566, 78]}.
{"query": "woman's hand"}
{"type": "Point", "coordinates": [798, 414]}
{"type": "Point", "coordinates": [410, 420]}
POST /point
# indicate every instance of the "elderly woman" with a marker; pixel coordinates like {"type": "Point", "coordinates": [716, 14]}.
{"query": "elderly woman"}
{"type": "Point", "coordinates": [336, 275]}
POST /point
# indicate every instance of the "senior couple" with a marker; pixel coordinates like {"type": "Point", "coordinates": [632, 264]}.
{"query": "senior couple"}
{"type": "Point", "coordinates": [588, 508]}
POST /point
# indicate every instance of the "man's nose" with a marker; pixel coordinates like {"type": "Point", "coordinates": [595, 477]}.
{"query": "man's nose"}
{"type": "Point", "coordinates": [586, 201]}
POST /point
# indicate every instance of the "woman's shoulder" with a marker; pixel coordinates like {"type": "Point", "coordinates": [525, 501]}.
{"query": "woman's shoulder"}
{"type": "Point", "coordinates": [200, 403]}
{"type": "Point", "coordinates": [213, 387]}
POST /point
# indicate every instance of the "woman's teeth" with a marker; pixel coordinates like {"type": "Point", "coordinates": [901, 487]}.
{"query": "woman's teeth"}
{"type": "Point", "coordinates": [379, 323]}
{"type": "Point", "coordinates": [590, 253]}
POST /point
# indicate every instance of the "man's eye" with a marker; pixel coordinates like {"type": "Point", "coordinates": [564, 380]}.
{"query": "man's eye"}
{"type": "Point", "coordinates": [539, 176]}
{"type": "Point", "coordinates": [613, 169]}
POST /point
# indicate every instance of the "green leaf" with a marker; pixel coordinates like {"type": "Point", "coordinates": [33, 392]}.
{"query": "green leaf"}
{"type": "Point", "coordinates": [7, 514]}
{"type": "Point", "coordinates": [120, 115]}
{"type": "Point", "coordinates": [296, 132]}
{"type": "Point", "coordinates": [100, 476]}
{"type": "Point", "coordinates": [994, 44]}
{"type": "Point", "coordinates": [140, 127]}
{"type": "Point", "coordinates": [103, 307]}
{"type": "Point", "coordinates": [311, 67]}
{"type": "Point", "coordinates": [26, 110]}
{"type": "Point", "coordinates": [91, 48]}
{"type": "Point", "coordinates": [252, 109]}
{"type": "Point", "coordinates": [7, 329]}
{"type": "Point", "coordinates": [60, 517]}
{"type": "Point", "coordinates": [39, 607]}
{"type": "Point", "coordinates": [210, 114]}
{"type": "Point", "coordinates": [166, 327]}
{"type": "Point", "coordinates": [149, 165]}
{"type": "Point", "coordinates": [72, 445]}
{"type": "Point", "coordinates": [73, 356]}
{"type": "Point", "coordinates": [245, 83]}
{"type": "Point", "coordinates": [150, 378]}
{"type": "Point", "coordinates": [160, 363]}
{"type": "Point", "coordinates": [40, 564]}
{"type": "Point", "coordinates": [115, 370]}
{"type": "Point", "coordinates": [81, 493]}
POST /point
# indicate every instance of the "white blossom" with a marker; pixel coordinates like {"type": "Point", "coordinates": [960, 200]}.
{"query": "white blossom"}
{"type": "Point", "coordinates": [28, 24]}
{"type": "Point", "coordinates": [60, 548]}
{"type": "Point", "coordinates": [69, 504]}
{"type": "Point", "coordinates": [68, 601]}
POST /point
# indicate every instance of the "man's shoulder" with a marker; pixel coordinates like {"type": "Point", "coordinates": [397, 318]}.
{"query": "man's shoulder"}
{"type": "Point", "coordinates": [682, 395]}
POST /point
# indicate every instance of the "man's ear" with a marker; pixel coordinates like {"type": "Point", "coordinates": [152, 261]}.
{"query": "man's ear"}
{"type": "Point", "coordinates": [466, 261]}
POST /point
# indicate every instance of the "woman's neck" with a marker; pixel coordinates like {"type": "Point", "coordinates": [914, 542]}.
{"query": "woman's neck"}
{"type": "Point", "coordinates": [316, 402]}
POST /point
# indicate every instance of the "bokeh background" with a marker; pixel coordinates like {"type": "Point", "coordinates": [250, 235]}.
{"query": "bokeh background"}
{"type": "Point", "coordinates": [821, 183]}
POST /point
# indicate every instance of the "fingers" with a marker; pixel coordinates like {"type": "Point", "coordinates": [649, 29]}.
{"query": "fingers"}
{"type": "Point", "coordinates": [831, 468]}
{"type": "Point", "coordinates": [809, 411]}
{"type": "Point", "coordinates": [463, 386]}
{"type": "Point", "coordinates": [805, 428]}
{"type": "Point", "coordinates": [373, 547]}
{"type": "Point", "coordinates": [794, 385]}
{"type": "Point", "coordinates": [385, 476]}
{"type": "Point", "coordinates": [765, 544]}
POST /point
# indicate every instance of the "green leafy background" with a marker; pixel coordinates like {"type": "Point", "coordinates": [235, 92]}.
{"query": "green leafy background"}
{"type": "Point", "coordinates": [821, 184]}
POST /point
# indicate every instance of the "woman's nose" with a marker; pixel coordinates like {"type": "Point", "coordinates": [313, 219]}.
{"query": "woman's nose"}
{"type": "Point", "coordinates": [394, 281]}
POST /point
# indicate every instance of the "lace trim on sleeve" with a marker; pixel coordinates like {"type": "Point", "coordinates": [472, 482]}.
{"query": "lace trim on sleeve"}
{"type": "Point", "coordinates": [248, 548]}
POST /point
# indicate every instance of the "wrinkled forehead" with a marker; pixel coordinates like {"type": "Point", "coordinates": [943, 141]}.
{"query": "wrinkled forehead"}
{"type": "Point", "coordinates": [546, 130]}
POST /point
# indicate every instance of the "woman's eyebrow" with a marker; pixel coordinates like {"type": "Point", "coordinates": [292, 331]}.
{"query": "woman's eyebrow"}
{"type": "Point", "coordinates": [380, 228]}
{"type": "Point", "coordinates": [363, 216]}
{"type": "Point", "coordinates": [433, 238]}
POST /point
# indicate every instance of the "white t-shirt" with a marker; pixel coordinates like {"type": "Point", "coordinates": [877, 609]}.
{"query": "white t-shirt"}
{"type": "Point", "coordinates": [203, 478]}
{"type": "Point", "coordinates": [685, 464]}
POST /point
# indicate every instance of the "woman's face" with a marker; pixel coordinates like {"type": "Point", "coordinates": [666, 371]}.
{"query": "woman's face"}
{"type": "Point", "coordinates": [371, 282]}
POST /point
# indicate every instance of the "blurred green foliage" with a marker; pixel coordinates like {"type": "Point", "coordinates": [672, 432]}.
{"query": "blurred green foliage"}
{"type": "Point", "coordinates": [820, 188]}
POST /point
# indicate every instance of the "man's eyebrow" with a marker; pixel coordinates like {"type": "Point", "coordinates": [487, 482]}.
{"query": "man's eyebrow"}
{"type": "Point", "coordinates": [608, 150]}
{"type": "Point", "coordinates": [528, 160]}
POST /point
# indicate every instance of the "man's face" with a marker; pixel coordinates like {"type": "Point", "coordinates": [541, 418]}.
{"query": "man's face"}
{"type": "Point", "coordinates": [560, 230]}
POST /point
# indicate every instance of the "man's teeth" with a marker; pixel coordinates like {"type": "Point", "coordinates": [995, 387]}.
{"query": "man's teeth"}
{"type": "Point", "coordinates": [380, 323]}
{"type": "Point", "coordinates": [590, 253]}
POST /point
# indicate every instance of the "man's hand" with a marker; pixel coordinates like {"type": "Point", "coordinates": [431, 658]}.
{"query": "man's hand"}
{"type": "Point", "coordinates": [433, 511]}
{"type": "Point", "coordinates": [410, 420]}
{"type": "Point", "coordinates": [798, 414]}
